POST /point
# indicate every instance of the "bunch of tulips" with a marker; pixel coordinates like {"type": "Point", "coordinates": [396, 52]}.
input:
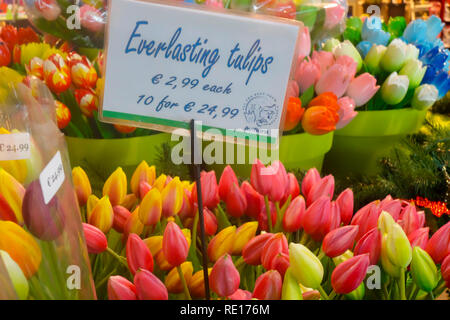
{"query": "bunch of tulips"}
{"type": "Point", "coordinates": [408, 63]}
{"type": "Point", "coordinates": [267, 238]}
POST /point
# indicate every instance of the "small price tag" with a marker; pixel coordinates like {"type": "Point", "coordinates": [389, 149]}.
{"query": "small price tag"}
{"type": "Point", "coordinates": [52, 177]}
{"type": "Point", "coordinates": [15, 146]}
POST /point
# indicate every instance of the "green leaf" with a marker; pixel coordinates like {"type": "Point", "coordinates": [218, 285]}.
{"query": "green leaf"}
{"type": "Point", "coordinates": [106, 130]}
{"type": "Point", "coordinates": [77, 117]}
{"type": "Point", "coordinates": [222, 219]}
{"type": "Point", "coordinates": [307, 96]}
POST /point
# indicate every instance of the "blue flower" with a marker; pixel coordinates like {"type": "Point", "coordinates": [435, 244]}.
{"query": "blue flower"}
{"type": "Point", "coordinates": [377, 36]}
{"type": "Point", "coordinates": [434, 27]}
{"type": "Point", "coordinates": [440, 79]}
{"type": "Point", "coordinates": [416, 31]}
{"type": "Point", "coordinates": [436, 57]}
{"type": "Point", "coordinates": [364, 47]}
{"type": "Point", "coordinates": [430, 75]}
{"type": "Point", "coordinates": [371, 23]}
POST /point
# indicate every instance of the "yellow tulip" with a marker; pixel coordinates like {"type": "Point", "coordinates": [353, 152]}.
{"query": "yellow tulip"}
{"type": "Point", "coordinates": [11, 197]}
{"type": "Point", "coordinates": [173, 281]}
{"type": "Point", "coordinates": [133, 223]}
{"type": "Point", "coordinates": [385, 222]}
{"type": "Point", "coordinates": [16, 168]}
{"type": "Point", "coordinates": [82, 185]}
{"type": "Point", "coordinates": [305, 266]}
{"type": "Point", "coordinates": [151, 208]}
{"type": "Point", "coordinates": [130, 201]}
{"type": "Point", "coordinates": [221, 243]}
{"type": "Point", "coordinates": [116, 187]}
{"type": "Point", "coordinates": [172, 198]}
{"type": "Point", "coordinates": [102, 215]}
{"type": "Point", "coordinates": [142, 173]}
{"type": "Point", "coordinates": [91, 202]}
{"type": "Point", "coordinates": [160, 182]}
{"type": "Point", "coordinates": [154, 244]}
{"type": "Point", "coordinates": [21, 246]}
{"type": "Point", "coordinates": [243, 235]}
{"type": "Point", "coordinates": [197, 284]}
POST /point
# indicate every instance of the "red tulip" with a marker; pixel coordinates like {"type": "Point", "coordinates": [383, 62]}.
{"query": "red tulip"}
{"type": "Point", "coordinates": [96, 241]}
{"type": "Point", "coordinates": [236, 201]}
{"type": "Point", "coordinates": [121, 214]}
{"type": "Point", "coordinates": [370, 243]}
{"type": "Point", "coordinates": [292, 188]}
{"type": "Point", "coordinates": [210, 190]}
{"type": "Point", "coordinates": [268, 286]}
{"type": "Point", "coordinates": [409, 219]}
{"type": "Point", "coordinates": [224, 279]}
{"type": "Point", "coordinates": [9, 35]}
{"type": "Point", "coordinates": [348, 275]}
{"type": "Point", "coordinates": [259, 178]}
{"type": "Point", "coordinates": [280, 263]}
{"type": "Point", "coordinates": [210, 222]}
{"type": "Point", "coordinates": [27, 35]}
{"type": "Point", "coordinates": [241, 295]}
{"type": "Point", "coordinates": [262, 217]}
{"type": "Point", "coordinates": [57, 74]}
{"type": "Point", "coordinates": [5, 54]}
{"type": "Point", "coordinates": [419, 238]}
{"type": "Point", "coordinates": [86, 99]}
{"type": "Point", "coordinates": [292, 219]}
{"type": "Point", "coordinates": [275, 245]}
{"type": "Point", "coordinates": [335, 218]}
{"type": "Point", "coordinates": [325, 187]}
{"type": "Point", "coordinates": [394, 207]}
{"type": "Point", "coordinates": [438, 247]}
{"type": "Point", "coordinates": [345, 202]}
{"type": "Point", "coordinates": [366, 218]}
{"type": "Point", "coordinates": [138, 254]}
{"type": "Point", "coordinates": [253, 249]}
{"type": "Point", "coordinates": [311, 178]}
{"type": "Point", "coordinates": [144, 188]}
{"type": "Point", "coordinates": [227, 179]}
{"type": "Point", "coordinates": [149, 287]}
{"type": "Point", "coordinates": [120, 288]}
{"type": "Point", "coordinates": [337, 241]}
{"type": "Point", "coordinates": [175, 246]}
{"type": "Point", "coordinates": [316, 217]}
{"type": "Point", "coordinates": [188, 209]}
{"type": "Point", "coordinates": [445, 270]}
{"type": "Point", "coordinates": [255, 201]}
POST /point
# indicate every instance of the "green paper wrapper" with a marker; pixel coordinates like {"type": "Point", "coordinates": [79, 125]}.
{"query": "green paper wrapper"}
{"type": "Point", "coordinates": [370, 136]}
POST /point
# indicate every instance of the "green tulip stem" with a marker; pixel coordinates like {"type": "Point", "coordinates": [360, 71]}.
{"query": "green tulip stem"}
{"type": "Point", "coordinates": [279, 217]}
{"type": "Point", "coordinates": [440, 287]}
{"type": "Point", "coordinates": [239, 262]}
{"type": "Point", "coordinates": [321, 254]}
{"type": "Point", "coordinates": [414, 292]}
{"type": "Point", "coordinates": [269, 215]}
{"type": "Point", "coordinates": [194, 230]}
{"type": "Point", "coordinates": [121, 259]}
{"type": "Point", "coordinates": [385, 291]}
{"type": "Point", "coordinates": [227, 4]}
{"type": "Point", "coordinates": [431, 295]}
{"type": "Point", "coordinates": [323, 293]}
{"type": "Point", "coordinates": [183, 282]}
{"type": "Point", "coordinates": [332, 295]}
{"type": "Point", "coordinates": [402, 285]}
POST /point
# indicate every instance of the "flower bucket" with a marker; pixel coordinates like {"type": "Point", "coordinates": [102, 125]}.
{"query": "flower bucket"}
{"type": "Point", "coordinates": [371, 135]}
{"type": "Point", "coordinates": [105, 155]}
{"type": "Point", "coordinates": [298, 151]}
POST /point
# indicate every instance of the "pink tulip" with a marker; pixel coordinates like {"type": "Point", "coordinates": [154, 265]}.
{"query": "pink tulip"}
{"type": "Point", "coordinates": [241, 295]}
{"type": "Point", "coordinates": [307, 74]}
{"type": "Point", "coordinates": [324, 59]}
{"type": "Point", "coordinates": [438, 247]}
{"type": "Point", "coordinates": [362, 88]}
{"type": "Point", "coordinates": [214, 3]}
{"type": "Point", "coordinates": [255, 201]}
{"type": "Point", "coordinates": [279, 181]}
{"type": "Point", "coordinates": [304, 44]}
{"type": "Point", "coordinates": [91, 18]}
{"type": "Point", "coordinates": [409, 219]}
{"type": "Point", "coordinates": [258, 178]}
{"type": "Point", "coordinates": [334, 14]}
{"type": "Point", "coordinates": [337, 241]}
{"type": "Point", "coordinates": [334, 220]}
{"type": "Point", "coordinates": [227, 179]}
{"type": "Point", "coordinates": [366, 218]}
{"type": "Point", "coordinates": [421, 216]}
{"type": "Point", "coordinates": [311, 178]}
{"type": "Point", "coordinates": [325, 187]}
{"type": "Point", "coordinates": [224, 279]}
{"type": "Point", "coordinates": [345, 202]}
{"type": "Point", "coordinates": [292, 219]}
{"type": "Point", "coordinates": [292, 187]}
{"type": "Point", "coordinates": [393, 206]}
{"type": "Point", "coordinates": [335, 80]}
{"type": "Point", "coordinates": [419, 238]}
{"type": "Point", "coordinates": [120, 288]}
{"type": "Point", "coordinates": [370, 243]}
{"type": "Point", "coordinates": [346, 111]}
{"type": "Point", "coordinates": [293, 90]}
{"type": "Point", "coordinates": [349, 64]}
{"type": "Point", "coordinates": [349, 274]}
{"type": "Point", "coordinates": [316, 217]}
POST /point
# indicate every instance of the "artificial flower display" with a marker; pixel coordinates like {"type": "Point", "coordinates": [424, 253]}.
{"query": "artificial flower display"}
{"type": "Point", "coordinates": [303, 243]}
{"type": "Point", "coordinates": [409, 62]}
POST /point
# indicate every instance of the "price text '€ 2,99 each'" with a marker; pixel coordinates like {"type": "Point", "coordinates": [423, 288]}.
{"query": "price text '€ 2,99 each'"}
{"type": "Point", "coordinates": [210, 110]}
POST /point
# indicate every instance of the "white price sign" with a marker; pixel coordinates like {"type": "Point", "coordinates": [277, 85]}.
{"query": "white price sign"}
{"type": "Point", "coordinates": [52, 177]}
{"type": "Point", "coordinates": [15, 146]}
{"type": "Point", "coordinates": [169, 63]}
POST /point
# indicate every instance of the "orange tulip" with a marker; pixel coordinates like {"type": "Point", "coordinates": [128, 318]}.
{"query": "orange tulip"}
{"type": "Point", "coordinates": [150, 208]}
{"type": "Point", "coordinates": [102, 215]}
{"type": "Point", "coordinates": [294, 113]}
{"type": "Point", "coordinates": [21, 246]}
{"type": "Point", "coordinates": [83, 73]}
{"type": "Point", "coordinates": [222, 243]}
{"type": "Point", "coordinates": [172, 198]}
{"type": "Point", "coordinates": [63, 115]}
{"type": "Point", "coordinates": [116, 187]}
{"type": "Point", "coordinates": [133, 224]}
{"type": "Point", "coordinates": [319, 120]}
{"type": "Point", "coordinates": [57, 74]}
{"type": "Point", "coordinates": [11, 197]}
{"type": "Point", "coordinates": [173, 281]}
{"type": "Point", "coordinates": [87, 100]}
{"type": "Point", "coordinates": [142, 173]}
{"type": "Point", "coordinates": [326, 99]}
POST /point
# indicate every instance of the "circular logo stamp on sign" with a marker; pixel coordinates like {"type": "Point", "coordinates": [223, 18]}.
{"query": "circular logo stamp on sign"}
{"type": "Point", "coordinates": [261, 109]}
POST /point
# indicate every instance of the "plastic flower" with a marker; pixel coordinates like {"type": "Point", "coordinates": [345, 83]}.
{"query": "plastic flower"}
{"type": "Point", "coordinates": [330, 44]}
{"type": "Point", "coordinates": [424, 97]}
{"type": "Point", "coordinates": [319, 120]}
{"type": "Point", "coordinates": [337, 78]}
{"type": "Point", "coordinates": [323, 59]}
{"type": "Point", "coordinates": [363, 48]}
{"type": "Point", "coordinates": [83, 74]}
{"type": "Point", "coordinates": [414, 70]}
{"type": "Point", "coordinates": [15, 274]}
{"type": "Point", "coordinates": [87, 100]}
{"type": "Point", "coordinates": [294, 113]}
{"type": "Point", "coordinates": [362, 88]}
{"type": "Point", "coordinates": [49, 9]}
{"type": "Point", "coordinates": [373, 58]}
{"type": "Point", "coordinates": [416, 31]}
{"type": "Point", "coordinates": [91, 18]}
{"type": "Point", "coordinates": [395, 56]}
{"type": "Point", "coordinates": [35, 68]}
{"type": "Point", "coordinates": [63, 115]}
{"type": "Point", "coordinates": [57, 74]}
{"type": "Point", "coordinates": [394, 88]}
{"type": "Point", "coordinates": [346, 48]}
{"type": "Point", "coordinates": [307, 74]}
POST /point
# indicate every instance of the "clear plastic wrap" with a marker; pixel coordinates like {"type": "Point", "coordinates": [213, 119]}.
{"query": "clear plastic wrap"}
{"type": "Point", "coordinates": [79, 22]}
{"type": "Point", "coordinates": [324, 18]}
{"type": "Point", "coordinates": [40, 223]}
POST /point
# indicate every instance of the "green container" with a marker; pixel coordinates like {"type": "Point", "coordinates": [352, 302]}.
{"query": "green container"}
{"type": "Point", "coordinates": [298, 151]}
{"type": "Point", "coordinates": [103, 156]}
{"type": "Point", "coordinates": [370, 136]}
